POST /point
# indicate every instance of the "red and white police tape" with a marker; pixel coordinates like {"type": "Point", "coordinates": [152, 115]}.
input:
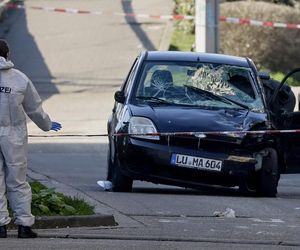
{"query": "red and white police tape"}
{"type": "Point", "coordinates": [239, 21]}
{"type": "Point", "coordinates": [170, 134]}
{"type": "Point", "coordinates": [243, 21]}
{"type": "Point", "coordinates": [70, 11]}
{"type": "Point", "coordinates": [76, 11]}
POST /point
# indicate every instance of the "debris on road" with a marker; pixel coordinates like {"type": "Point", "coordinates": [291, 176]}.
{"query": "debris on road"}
{"type": "Point", "coordinates": [228, 213]}
{"type": "Point", "coordinates": [267, 221]}
{"type": "Point", "coordinates": [105, 185]}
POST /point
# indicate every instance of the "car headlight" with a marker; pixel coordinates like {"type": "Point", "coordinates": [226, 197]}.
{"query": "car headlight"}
{"type": "Point", "coordinates": [142, 125]}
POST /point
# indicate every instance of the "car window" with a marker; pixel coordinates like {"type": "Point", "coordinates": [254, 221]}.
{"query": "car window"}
{"type": "Point", "coordinates": [199, 84]}
{"type": "Point", "coordinates": [128, 82]}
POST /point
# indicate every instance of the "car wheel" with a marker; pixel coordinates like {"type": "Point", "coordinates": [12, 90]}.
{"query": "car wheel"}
{"type": "Point", "coordinates": [120, 182]}
{"type": "Point", "coordinates": [247, 186]}
{"type": "Point", "coordinates": [109, 165]}
{"type": "Point", "coordinates": [267, 179]}
{"type": "Point", "coordinates": [109, 168]}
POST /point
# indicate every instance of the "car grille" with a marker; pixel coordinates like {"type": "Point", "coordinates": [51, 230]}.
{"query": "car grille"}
{"type": "Point", "coordinates": [213, 143]}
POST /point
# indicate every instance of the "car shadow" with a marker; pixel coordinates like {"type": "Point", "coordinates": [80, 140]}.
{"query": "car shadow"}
{"type": "Point", "coordinates": [25, 53]}
{"type": "Point", "coordinates": [203, 190]}
{"type": "Point", "coordinates": [285, 190]}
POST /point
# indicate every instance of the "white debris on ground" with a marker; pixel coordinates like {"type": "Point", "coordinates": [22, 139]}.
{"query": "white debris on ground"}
{"type": "Point", "coordinates": [105, 185]}
{"type": "Point", "coordinates": [267, 221]}
{"type": "Point", "coordinates": [228, 213]}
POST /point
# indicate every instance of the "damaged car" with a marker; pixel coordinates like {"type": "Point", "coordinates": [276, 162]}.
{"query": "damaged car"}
{"type": "Point", "coordinates": [186, 119]}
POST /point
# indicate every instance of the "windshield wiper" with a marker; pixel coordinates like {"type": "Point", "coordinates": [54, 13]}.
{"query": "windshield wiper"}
{"type": "Point", "coordinates": [153, 99]}
{"type": "Point", "coordinates": [236, 102]}
{"type": "Point", "coordinates": [217, 97]}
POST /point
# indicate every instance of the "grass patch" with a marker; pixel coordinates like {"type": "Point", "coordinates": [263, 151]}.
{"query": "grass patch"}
{"type": "Point", "coordinates": [181, 41]}
{"type": "Point", "coordinates": [45, 201]}
{"type": "Point", "coordinates": [292, 81]}
{"type": "Point", "coordinates": [183, 36]}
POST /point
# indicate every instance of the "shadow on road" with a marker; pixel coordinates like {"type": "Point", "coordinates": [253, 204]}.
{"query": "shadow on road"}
{"type": "Point", "coordinates": [25, 53]}
{"type": "Point", "coordinates": [69, 161]}
{"type": "Point", "coordinates": [127, 8]}
{"type": "Point", "coordinates": [203, 190]}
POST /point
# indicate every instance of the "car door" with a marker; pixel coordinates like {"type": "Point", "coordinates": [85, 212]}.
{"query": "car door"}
{"type": "Point", "coordinates": [291, 142]}
{"type": "Point", "coordinates": [290, 121]}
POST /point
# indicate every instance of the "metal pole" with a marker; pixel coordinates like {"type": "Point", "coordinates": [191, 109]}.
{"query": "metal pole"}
{"type": "Point", "coordinates": [206, 22]}
{"type": "Point", "coordinates": [200, 25]}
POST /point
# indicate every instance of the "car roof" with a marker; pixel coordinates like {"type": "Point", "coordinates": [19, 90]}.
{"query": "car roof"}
{"type": "Point", "coordinates": [195, 57]}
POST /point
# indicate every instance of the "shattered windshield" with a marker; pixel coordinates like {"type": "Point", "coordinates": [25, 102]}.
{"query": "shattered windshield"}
{"type": "Point", "coordinates": [198, 84]}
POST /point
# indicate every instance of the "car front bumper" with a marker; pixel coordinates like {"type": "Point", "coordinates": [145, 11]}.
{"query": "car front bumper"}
{"type": "Point", "coordinates": [149, 161]}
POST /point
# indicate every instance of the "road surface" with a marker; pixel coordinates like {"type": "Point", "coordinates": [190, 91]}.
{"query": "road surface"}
{"type": "Point", "coordinates": [77, 62]}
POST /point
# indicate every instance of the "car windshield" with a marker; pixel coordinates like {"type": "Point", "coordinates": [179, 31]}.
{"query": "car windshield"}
{"type": "Point", "coordinates": [198, 84]}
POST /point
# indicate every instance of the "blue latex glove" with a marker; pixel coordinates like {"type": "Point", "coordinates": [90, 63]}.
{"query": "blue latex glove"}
{"type": "Point", "coordinates": [55, 126]}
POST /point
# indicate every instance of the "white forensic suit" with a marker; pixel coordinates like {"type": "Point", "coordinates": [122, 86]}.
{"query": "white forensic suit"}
{"type": "Point", "coordinates": [17, 97]}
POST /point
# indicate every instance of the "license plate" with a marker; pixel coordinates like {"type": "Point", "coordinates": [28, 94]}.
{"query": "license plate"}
{"type": "Point", "coordinates": [196, 162]}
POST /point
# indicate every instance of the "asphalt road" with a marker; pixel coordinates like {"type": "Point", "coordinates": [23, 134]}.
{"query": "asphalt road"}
{"type": "Point", "coordinates": [77, 62]}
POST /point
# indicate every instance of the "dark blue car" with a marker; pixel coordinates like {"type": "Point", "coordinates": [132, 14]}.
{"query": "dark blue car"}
{"type": "Point", "coordinates": [182, 118]}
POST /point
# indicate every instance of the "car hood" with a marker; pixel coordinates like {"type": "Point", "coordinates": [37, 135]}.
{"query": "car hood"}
{"type": "Point", "coordinates": [194, 119]}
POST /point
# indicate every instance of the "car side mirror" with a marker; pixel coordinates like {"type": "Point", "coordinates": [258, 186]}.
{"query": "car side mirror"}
{"type": "Point", "coordinates": [264, 75]}
{"type": "Point", "coordinates": [119, 96]}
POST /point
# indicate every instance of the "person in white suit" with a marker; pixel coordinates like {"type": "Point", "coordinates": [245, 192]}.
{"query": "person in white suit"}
{"type": "Point", "coordinates": [18, 97]}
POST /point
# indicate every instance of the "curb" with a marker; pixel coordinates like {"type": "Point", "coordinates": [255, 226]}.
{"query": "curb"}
{"type": "Point", "coordinates": [55, 222]}
{"type": "Point", "coordinates": [47, 222]}
{"type": "Point", "coordinates": [166, 37]}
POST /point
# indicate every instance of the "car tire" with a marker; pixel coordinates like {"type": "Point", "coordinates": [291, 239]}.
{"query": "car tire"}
{"type": "Point", "coordinates": [120, 182]}
{"type": "Point", "coordinates": [109, 165]}
{"type": "Point", "coordinates": [247, 186]}
{"type": "Point", "coordinates": [267, 179]}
